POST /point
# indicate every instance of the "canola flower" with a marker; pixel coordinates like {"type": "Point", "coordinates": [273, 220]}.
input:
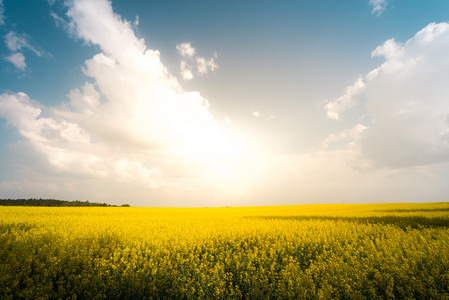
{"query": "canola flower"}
{"type": "Point", "coordinates": [376, 251]}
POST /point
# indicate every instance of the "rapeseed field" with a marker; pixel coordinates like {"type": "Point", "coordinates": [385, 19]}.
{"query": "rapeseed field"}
{"type": "Point", "coordinates": [370, 251]}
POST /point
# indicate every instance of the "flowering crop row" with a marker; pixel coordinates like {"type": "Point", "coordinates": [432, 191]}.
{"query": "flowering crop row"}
{"type": "Point", "coordinates": [382, 251]}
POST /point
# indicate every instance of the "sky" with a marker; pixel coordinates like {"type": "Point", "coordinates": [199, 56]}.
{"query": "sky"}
{"type": "Point", "coordinates": [224, 103]}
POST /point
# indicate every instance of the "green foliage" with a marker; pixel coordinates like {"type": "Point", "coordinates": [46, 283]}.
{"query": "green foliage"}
{"type": "Point", "coordinates": [395, 251]}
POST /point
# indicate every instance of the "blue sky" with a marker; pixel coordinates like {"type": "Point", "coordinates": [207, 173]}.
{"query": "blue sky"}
{"type": "Point", "coordinates": [215, 103]}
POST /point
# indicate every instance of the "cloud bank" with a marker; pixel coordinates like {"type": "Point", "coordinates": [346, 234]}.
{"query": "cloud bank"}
{"type": "Point", "coordinates": [406, 100]}
{"type": "Point", "coordinates": [132, 123]}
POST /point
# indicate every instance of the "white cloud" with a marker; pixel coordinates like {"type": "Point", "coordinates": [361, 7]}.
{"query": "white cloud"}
{"type": "Point", "coordinates": [345, 102]}
{"type": "Point", "coordinates": [135, 171]}
{"type": "Point", "coordinates": [61, 22]}
{"type": "Point", "coordinates": [349, 135]}
{"type": "Point", "coordinates": [66, 145]}
{"type": "Point", "coordinates": [186, 72]}
{"type": "Point", "coordinates": [16, 43]}
{"type": "Point", "coordinates": [18, 60]}
{"type": "Point", "coordinates": [379, 6]}
{"type": "Point", "coordinates": [186, 50]}
{"type": "Point", "coordinates": [390, 50]}
{"type": "Point", "coordinates": [406, 100]}
{"type": "Point", "coordinates": [18, 110]}
{"type": "Point", "coordinates": [2, 13]}
{"type": "Point", "coordinates": [192, 61]}
{"type": "Point", "coordinates": [203, 65]}
{"type": "Point", "coordinates": [256, 114]}
{"type": "Point", "coordinates": [134, 125]}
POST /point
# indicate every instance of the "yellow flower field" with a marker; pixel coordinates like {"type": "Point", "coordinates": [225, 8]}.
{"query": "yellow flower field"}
{"type": "Point", "coordinates": [370, 251]}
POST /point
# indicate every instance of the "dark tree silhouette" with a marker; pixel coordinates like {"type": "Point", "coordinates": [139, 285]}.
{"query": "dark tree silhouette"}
{"type": "Point", "coordinates": [50, 202]}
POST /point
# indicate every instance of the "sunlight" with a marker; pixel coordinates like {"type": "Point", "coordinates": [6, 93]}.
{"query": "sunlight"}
{"type": "Point", "coordinates": [221, 159]}
{"type": "Point", "coordinates": [212, 148]}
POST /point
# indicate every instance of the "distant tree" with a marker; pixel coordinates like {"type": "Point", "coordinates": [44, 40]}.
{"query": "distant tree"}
{"type": "Point", "coordinates": [125, 205]}
{"type": "Point", "coordinates": [48, 202]}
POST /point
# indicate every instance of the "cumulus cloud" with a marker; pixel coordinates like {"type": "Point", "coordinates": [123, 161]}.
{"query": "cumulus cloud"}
{"type": "Point", "coordinates": [346, 101]}
{"type": "Point", "coordinates": [186, 50]}
{"type": "Point", "coordinates": [145, 104]}
{"type": "Point", "coordinates": [133, 124]}
{"type": "Point", "coordinates": [15, 42]}
{"type": "Point", "coordinates": [18, 60]}
{"type": "Point", "coordinates": [186, 71]}
{"type": "Point", "coordinates": [379, 6]}
{"type": "Point", "coordinates": [190, 61]}
{"type": "Point", "coordinates": [349, 135]}
{"type": "Point", "coordinates": [406, 100]}
{"type": "Point", "coordinates": [65, 144]}
{"type": "Point", "coordinates": [204, 66]}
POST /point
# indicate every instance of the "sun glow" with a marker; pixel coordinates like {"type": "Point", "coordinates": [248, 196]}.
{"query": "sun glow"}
{"type": "Point", "coordinates": [212, 148]}
{"type": "Point", "coordinates": [221, 158]}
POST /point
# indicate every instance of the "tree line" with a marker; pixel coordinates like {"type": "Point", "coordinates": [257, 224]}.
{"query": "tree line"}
{"type": "Point", "coordinates": [51, 202]}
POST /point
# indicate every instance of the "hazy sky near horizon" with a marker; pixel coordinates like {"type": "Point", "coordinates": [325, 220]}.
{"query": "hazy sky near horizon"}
{"type": "Point", "coordinates": [224, 103]}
